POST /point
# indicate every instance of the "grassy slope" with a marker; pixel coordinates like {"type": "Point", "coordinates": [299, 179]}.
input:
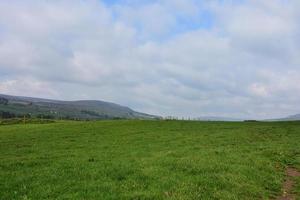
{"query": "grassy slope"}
{"type": "Point", "coordinates": [146, 160]}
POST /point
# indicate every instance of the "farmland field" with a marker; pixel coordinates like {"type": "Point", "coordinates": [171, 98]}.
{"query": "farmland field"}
{"type": "Point", "coordinates": [147, 160]}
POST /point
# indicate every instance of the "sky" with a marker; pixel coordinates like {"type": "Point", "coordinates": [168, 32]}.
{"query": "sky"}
{"type": "Point", "coordinates": [185, 58]}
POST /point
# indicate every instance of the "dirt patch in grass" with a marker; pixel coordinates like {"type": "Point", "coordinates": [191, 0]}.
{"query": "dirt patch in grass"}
{"type": "Point", "coordinates": [288, 185]}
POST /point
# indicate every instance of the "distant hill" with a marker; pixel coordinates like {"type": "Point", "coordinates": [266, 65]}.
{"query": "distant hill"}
{"type": "Point", "coordinates": [16, 106]}
{"type": "Point", "coordinates": [225, 119]}
{"type": "Point", "coordinates": [293, 117]}
{"type": "Point", "coordinates": [289, 118]}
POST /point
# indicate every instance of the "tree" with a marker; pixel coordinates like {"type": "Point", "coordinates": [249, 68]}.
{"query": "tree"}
{"type": "Point", "coordinates": [6, 115]}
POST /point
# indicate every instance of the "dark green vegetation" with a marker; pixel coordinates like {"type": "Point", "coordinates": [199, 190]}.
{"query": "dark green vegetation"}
{"type": "Point", "coordinates": [25, 121]}
{"type": "Point", "coordinates": [12, 106]}
{"type": "Point", "coordinates": [147, 160]}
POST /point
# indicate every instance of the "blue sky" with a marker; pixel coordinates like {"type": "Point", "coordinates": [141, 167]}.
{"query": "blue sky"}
{"type": "Point", "coordinates": [200, 18]}
{"type": "Point", "coordinates": [185, 58]}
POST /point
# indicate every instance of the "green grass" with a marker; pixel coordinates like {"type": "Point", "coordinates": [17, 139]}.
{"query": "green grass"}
{"type": "Point", "coordinates": [146, 160]}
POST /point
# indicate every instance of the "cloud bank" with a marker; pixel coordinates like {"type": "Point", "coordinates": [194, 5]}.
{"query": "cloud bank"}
{"type": "Point", "coordinates": [168, 57]}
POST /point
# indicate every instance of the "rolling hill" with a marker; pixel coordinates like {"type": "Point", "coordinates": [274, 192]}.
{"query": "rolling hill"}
{"type": "Point", "coordinates": [293, 117]}
{"type": "Point", "coordinates": [16, 106]}
{"type": "Point", "coordinates": [289, 118]}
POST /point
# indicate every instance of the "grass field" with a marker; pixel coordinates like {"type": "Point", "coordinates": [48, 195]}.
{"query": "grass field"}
{"type": "Point", "coordinates": [147, 160]}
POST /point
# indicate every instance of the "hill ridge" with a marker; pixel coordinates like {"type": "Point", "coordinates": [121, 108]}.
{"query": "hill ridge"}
{"type": "Point", "coordinates": [77, 109]}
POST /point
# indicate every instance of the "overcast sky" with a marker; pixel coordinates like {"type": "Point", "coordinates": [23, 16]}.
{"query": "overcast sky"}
{"type": "Point", "coordinates": [233, 58]}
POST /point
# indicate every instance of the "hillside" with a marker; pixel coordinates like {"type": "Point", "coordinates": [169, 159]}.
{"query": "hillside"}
{"type": "Point", "coordinates": [293, 117]}
{"type": "Point", "coordinates": [15, 106]}
{"type": "Point", "coordinates": [289, 118]}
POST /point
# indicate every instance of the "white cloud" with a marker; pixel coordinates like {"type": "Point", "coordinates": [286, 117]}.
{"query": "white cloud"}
{"type": "Point", "coordinates": [245, 65]}
{"type": "Point", "coordinates": [27, 87]}
{"type": "Point", "coordinates": [259, 90]}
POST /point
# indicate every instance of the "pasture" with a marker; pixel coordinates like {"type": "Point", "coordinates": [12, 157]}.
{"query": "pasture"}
{"type": "Point", "coordinates": [134, 159]}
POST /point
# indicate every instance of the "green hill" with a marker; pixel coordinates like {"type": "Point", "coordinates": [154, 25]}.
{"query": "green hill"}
{"type": "Point", "coordinates": [14, 106]}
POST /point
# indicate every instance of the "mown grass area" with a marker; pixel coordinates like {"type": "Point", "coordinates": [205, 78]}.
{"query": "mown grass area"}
{"type": "Point", "coordinates": [147, 160]}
